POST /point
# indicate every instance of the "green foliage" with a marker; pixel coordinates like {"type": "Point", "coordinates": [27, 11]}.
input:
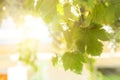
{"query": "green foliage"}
{"type": "Point", "coordinates": [106, 12]}
{"type": "Point", "coordinates": [111, 77]}
{"type": "Point", "coordinates": [55, 60]}
{"type": "Point", "coordinates": [83, 33]}
{"type": "Point", "coordinates": [94, 73]}
{"type": "Point", "coordinates": [91, 35]}
{"type": "Point", "coordinates": [60, 9]}
{"type": "Point", "coordinates": [75, 25]}
{"type": "Point", "coordinates": [72, 61]}
{"type": "Point", "coordinates": [28, 50]}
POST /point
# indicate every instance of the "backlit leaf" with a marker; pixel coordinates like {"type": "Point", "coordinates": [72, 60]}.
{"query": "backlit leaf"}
{"type": "Point", "coordinates": [71, 61]}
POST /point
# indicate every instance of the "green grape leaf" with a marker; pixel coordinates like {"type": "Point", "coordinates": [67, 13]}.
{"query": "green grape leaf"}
{"type": "Point", "coordinates": [103, 35]}
{"type": "Point", "coordinates": [60, 9]}
{"type": "Point", "coordinates": [47, 12]}
{"type": "Point", "coordinates": [106, 12]}
{"type": "Point", "coordinates": [99, 32]}
{"type": "Point", "coordinates": [89, 39]}
{"type": "Point", "coordinates": [93, 37]}
{"type": "Point", "coordinates": [98, 13]}
{"type": "Point", "coordinates": [80, 44]}
{"type": "Point", "coordinates": [55, 60]}
{"type": "Point", "coordinates": [94, 47]}
{"type": "Point", "coordinates": [72, 61]}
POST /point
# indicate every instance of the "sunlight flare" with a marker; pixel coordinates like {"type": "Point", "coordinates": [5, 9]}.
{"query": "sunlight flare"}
{"type": "Point", "coordinates": [36, 28]}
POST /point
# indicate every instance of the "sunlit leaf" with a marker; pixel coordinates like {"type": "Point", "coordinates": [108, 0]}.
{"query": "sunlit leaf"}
{"type": "Point", "coordinates": [55, 60]}
{"type": "Point", "coordinates": [71, 61]}
{"type": "Point", "coordinates": [60, 9]}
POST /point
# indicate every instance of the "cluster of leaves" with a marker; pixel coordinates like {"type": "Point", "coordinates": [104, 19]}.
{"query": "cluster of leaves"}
{"type": "Point", "coordinates": [80, 41]}
{"type": "Point", "coordinates": [76, 27]}
{"type": "Point", "coordinates": [28, 50]}
{"type": "Point", "coordinates": [81, 33]}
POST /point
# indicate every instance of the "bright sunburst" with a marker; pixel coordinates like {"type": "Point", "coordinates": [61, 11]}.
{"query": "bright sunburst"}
{"type": "Point", "coordinates": [33, 27]}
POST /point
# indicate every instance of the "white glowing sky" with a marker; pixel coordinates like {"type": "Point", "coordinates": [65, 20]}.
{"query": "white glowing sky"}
{"type": "Point", "coordinates": [33, 27]}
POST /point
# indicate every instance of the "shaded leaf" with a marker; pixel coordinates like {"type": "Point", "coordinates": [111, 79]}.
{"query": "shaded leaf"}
{"type": "Point", "coordinates": [99, 32]}
{"type": "Point", "coordinates": [95, 48]}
